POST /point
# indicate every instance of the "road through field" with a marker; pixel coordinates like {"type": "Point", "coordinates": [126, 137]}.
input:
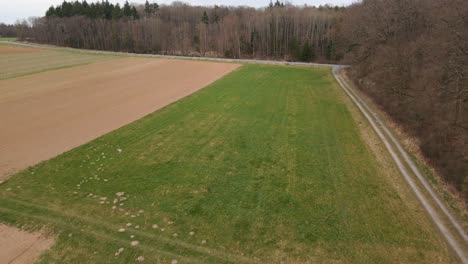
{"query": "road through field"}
{"type": "Point", "coordinates": [43, 115]}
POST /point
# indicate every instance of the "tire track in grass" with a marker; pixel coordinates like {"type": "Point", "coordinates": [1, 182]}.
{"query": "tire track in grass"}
{"type": "Point", "coordinates": [49, 214]}
{"type": "Point", "coordinates": [94, 234]}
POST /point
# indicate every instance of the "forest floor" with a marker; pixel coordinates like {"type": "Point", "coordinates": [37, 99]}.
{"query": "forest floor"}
{"type": "Point", "coordinates": [267, 164]}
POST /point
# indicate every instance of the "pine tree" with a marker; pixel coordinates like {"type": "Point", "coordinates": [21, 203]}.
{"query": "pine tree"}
{"type": "Point", "coordinates": [51, 12]}
{"type": "Point", "coordinates": [116, 12]}
{"type": "Point", "coordinates": [127, 10]}
{"type": "Point", "coordinates": [205, 20]}
{"type": "Point", "coordinates": [135, 13]}
{"type": "Point", "coordinates": [85, 8]}
{"type": "Point", "coordinates": [307, 53]}
{"type": "Point", "coordinates": [151, 8]}
{"type": "Point", "coordinates": [107, 9]}
{"type": "Point", "coordinates": [155, 7]}
{"type": "Point", "coordinates": [67, 9]}
{"type": "Point", "coordinates": [148, 8]}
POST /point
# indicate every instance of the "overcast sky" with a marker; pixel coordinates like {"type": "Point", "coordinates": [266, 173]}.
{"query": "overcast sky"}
{"type": "Point", "coordinates": [11, 10]}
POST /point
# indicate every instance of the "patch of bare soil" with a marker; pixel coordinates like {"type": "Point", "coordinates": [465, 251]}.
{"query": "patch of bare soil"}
{"type": "Point", "coordinates": [14, 50]}
{"type": "Point", "coordinates": [46, 114]}
{"type": "Point", "coordinates": [17, 246]}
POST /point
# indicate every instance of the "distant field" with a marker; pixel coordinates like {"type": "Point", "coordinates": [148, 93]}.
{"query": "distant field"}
{"type": "Point", "coordinates": [7, 39]}
{"type": "Point", "coordinates": [18, 61]}
{"type": "Point", "coordinates": [263, 166]}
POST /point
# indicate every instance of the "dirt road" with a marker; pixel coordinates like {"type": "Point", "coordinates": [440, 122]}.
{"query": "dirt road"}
{"type": "Point", "coordinates": [43, 115]}
{"type": "Point", "coordinates": [448, 226]}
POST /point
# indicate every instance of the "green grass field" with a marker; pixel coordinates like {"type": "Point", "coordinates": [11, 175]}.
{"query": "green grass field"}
{"type": "Point", "coordinates": [20, 64]}
{"type": "Point", "coordinates": [263, 166]}
{"type": "Point", "coordinates": [7, 39]}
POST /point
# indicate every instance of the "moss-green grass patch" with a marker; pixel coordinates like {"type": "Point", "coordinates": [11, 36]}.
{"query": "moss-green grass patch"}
{"type": "Point", "coordinates": [20, 64]}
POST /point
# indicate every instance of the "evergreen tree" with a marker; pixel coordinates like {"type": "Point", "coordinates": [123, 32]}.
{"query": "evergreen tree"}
{"type": "Point", "coordinates": [107, 9]}
{"type": "Point", "coordinates": [151, 8]}
{"type": "Point", "coordinates": [58, 11]}
{"type": "Point", "coordinates": [76, 9]}
{"type": "Point", "coordinates": [67, 9]}
{"type": "Point", "coordinates": [148, 8]}
{"type": "Point", "coordinates": [155, 7]}
{"type": "Point", "coordinates": [92, 13]}
{"type": "Point", "coordinates": [205, 20]}
{"type": "Point", "coordinates": [116, 12]}
{"type": "Point", "coordinates": [51, 12]}
{"type": "Point", "coordinates": [127, 10]}
{"type": "Point", "coordinates": [103, 10]}
{"type": "Point", "coordinates": [85, 8]}
{"type": "Point", "coordinates": [294, 49]}
{"type": "Point", "coordinates": [307, 53]}
{"type": "Point", "coordinates": [135, 13]}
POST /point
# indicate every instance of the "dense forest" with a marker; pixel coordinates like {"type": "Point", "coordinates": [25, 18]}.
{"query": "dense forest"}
{"type": "Point", "coordinates": [7, 30]}
{"type": "Point", "coordinates": [103, 10]}
{"type": "Point", "coordinates": [410, 56]}
{"type": "Point", "coordinates": [276, 32]}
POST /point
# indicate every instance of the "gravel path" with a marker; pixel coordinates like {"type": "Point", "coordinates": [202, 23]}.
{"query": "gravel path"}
{"type": "Point", "coordinates": [437, 210]}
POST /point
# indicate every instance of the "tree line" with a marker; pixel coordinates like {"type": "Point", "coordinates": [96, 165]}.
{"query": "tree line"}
{"type": "Point", "coordinates": [103, 10]}
{"type": "Point", "coordinates": [7, 30]}
{"type": "Point", "coordinates": [280, 31]}
{"type": "Point", "coordinates": [410, 56]}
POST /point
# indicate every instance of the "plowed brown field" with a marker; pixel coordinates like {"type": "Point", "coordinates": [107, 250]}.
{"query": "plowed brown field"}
{"type": "Point", "coordinates": [13, 49]}
{"type": "Point", "coordinates": [45, 114]}
{"type": "Point", "coordinates": [21, 247]}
